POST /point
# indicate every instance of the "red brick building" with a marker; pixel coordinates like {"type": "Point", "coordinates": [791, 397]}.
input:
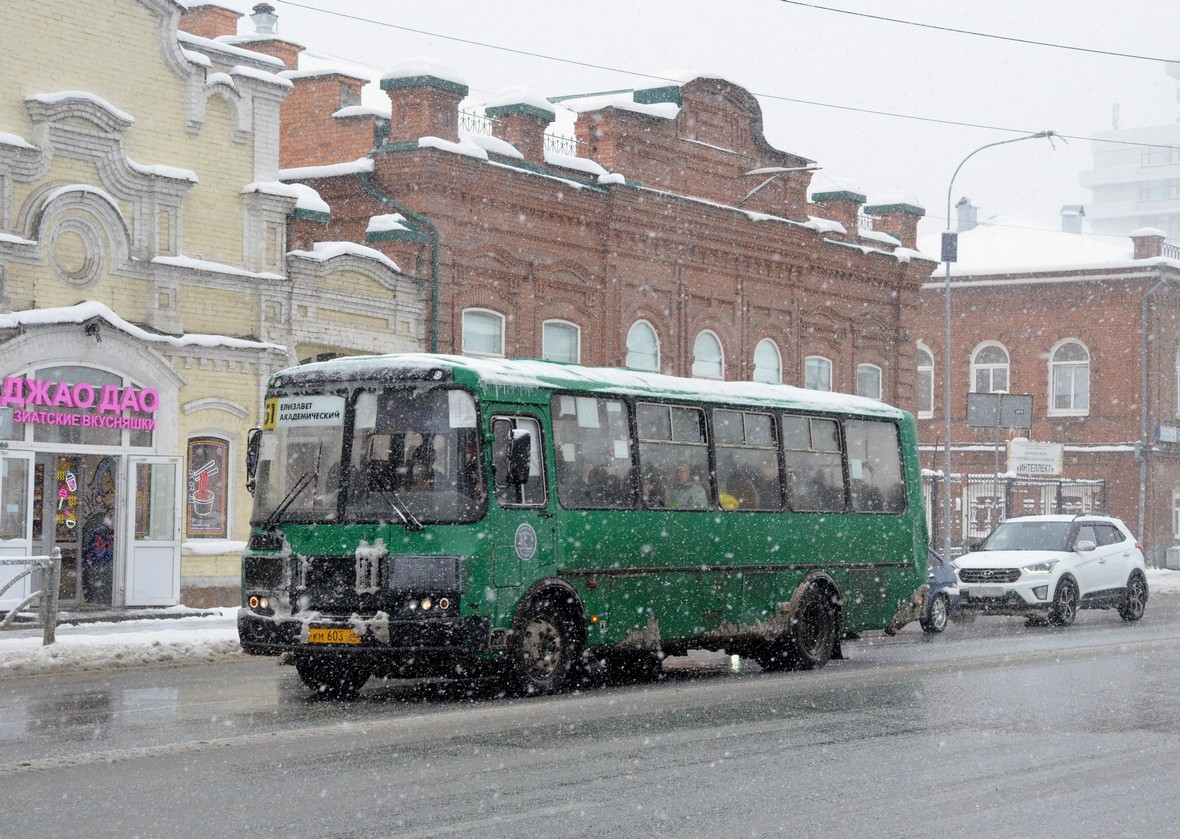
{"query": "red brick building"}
{"type": "Point", "coordinates": [646, 249]}
{"type": "Point", "coordinates": [1077, 337]}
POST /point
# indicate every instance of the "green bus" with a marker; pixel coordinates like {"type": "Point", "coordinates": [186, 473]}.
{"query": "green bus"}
{"type": "Point", "coordinates": [419, 514]}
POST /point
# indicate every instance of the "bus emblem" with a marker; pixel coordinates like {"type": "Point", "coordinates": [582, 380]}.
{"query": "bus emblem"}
{"type": "Point", "coordinates": [525, 541]}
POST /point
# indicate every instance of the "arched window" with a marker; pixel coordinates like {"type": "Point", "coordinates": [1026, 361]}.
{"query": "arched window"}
{"type": "Point", "coordinates": [817, 373]}
{"type": "Point", "coordinates": [989, 369]}
{"type": "Point", "coordinates": [483, 332]}
{"type": "Point", "coordinates": [561, 341]}
{"type": "Point", "coordinates": [925, 383]}
{"type": "Point", "coordinates": [708, 361]}
{"type": "Point", "coordinates": [1069, 379]}
{"type": "Point", "coordinates": [868, 381]}
{"type": "Point", "coordinates": [768, 364]}
{"type": "Point", "coordinates": [643, 347]}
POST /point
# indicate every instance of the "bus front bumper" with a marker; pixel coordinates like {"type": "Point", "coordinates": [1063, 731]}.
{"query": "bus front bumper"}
{"type": "Point", "coordinates": [273, 635]}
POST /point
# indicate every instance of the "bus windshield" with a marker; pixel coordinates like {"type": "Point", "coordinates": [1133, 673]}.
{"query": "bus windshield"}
{"type": "Point", "coordinates": [415, 456]}
{"type": "Point", "coordinates": [299, 448]}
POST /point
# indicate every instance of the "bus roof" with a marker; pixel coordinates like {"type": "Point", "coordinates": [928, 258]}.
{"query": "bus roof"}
{"type": "Point", "coordinates": [483, 373]}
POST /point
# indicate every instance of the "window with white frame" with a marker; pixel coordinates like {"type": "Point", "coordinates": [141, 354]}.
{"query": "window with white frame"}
{"type": "Point", "coordinates": [1069, 379]}
{"type": "Point", "coordinates": [561, 341]}
{"type": "Point", "coordinates": [989, 369]}
{"type": "Point", "coordinates": [1177, 381]}
{"type": "Point", "coordinates": [817, 373]}
{"type": "Point", "coordinates": [483, 332]}
{"type": "Point", "coordinates": [925, 383]}
{"type": "Point", "coordinates": [868, 381]}
{"type": "Point", "coordinates": [643, 347]}
{"type": "Point", "coordinates": [708, 361]}
{"type": "Point", "coordinates": [1176, 514]}
{"type": "Point", "coordinates": [768, 364]}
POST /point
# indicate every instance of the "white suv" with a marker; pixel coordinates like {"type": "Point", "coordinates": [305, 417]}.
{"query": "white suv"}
{"type": "Point", "coordinates": [1048, 567]}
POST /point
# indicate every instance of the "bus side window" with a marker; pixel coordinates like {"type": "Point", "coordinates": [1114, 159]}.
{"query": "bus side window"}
{"type": "Point", "coordinates": [874, 466]}
{"type": "Point", "coordinates": [592, 448]}
{"type": "Point", "coordinates": [815, 477]}
{"type": "Point", "coordinates": [511, 433]}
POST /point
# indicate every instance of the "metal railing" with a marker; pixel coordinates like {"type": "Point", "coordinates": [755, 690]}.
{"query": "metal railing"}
{"type": "Point", "coordinates": [50, 568]}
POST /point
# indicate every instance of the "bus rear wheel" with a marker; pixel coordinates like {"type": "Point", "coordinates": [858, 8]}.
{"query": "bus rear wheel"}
{"type": "Point", "coordinates": [810, 638]}
{"type": "Point", "coordinates": [545, 654]}
{"type": "Point", "coordinates": [332, 676]}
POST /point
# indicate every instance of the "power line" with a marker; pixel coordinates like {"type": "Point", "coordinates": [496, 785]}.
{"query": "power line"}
{"type": "Point", "coordinates": [1029, 41]}
{"type": "Point", "coordinates": [766, 96]}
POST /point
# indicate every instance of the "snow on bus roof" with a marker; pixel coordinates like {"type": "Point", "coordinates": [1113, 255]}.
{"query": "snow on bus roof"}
{"type": "Point", "coordinates": [528, 373]}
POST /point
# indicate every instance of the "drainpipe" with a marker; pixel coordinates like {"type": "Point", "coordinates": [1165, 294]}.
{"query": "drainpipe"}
{"type": "Point", "coordinates": [432, 237]}
{"type": "Point", "coordinates": [1163, 280]}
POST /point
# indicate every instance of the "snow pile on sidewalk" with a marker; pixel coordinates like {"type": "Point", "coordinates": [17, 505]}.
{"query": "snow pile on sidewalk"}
{"type": "Point", "coordinates": [202, 637]}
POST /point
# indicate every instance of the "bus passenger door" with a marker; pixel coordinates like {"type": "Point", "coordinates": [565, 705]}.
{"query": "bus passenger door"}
{"type": "Point", "coordinates": [523, 541]}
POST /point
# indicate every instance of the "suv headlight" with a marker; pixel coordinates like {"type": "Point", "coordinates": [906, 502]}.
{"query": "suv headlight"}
{"type": "Point", "coordinates": [1040, 567]}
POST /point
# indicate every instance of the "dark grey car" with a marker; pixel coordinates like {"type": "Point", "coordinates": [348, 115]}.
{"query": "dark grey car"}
{"type": "Point", "coordinates": [943, 599]}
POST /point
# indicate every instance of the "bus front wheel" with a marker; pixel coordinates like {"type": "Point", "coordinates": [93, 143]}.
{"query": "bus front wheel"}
{"type": "Point", "coordinates": [546, 648]}
{"type": "Point", "coordinates": [809, 639]}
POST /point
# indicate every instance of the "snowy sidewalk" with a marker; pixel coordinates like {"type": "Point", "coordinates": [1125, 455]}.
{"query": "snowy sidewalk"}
{"type": "Point", "coordinates": [180, 636]}
{"type": "Point", "coordinates": [175, 636]}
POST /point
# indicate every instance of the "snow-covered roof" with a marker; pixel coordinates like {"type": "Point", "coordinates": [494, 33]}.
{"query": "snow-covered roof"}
{"type": "Point", "coordinates": [82, 312]}
{"type": "Point", "coordinates": [1002, 245]}
{"type": "Point", "coordinates": [545, 375]}
{"type": "Point", "coordinates": [323, 251]}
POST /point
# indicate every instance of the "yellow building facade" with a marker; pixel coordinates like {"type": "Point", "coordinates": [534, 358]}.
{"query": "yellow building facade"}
{"type": "Point", "coordinates": [148, 289]}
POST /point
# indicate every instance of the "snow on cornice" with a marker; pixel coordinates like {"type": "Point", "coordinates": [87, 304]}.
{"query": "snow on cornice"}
{"type": "Point", "coordinates": [191, 264]}
{"type": "Point", "coordinates": [323, 251]}
{"type": "Point", "coordinates": [824, 225]}
{"type": "Point", "coordinates": [222, 48]}
{"type": "Point", "coordinates": [463, 147]}
{"type": "Point", "coordinates": [386, 223]}
{"type": "Point", "coordinates": [305, 197]}
{"type": "Point", "coordinates": [161, 170]}
{"type": "Point", "coordinates": [493, 145]}
{"type": "Point", "coordinates": [623, 102]}
{"type": "Point", "coordinates": [579, 164]}
{"type": "Point", "coordinates": [70, 95]}
{"type": "Point", "coordinates": [331, 170]}
{"type": "Point", "coordinates": [7, 139]}
{"type": "Point", "coordinates": [82, 312]}
{"type": "Point", "coordinates": [260, 75]}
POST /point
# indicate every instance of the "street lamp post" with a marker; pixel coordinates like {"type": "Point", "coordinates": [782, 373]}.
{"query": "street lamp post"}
{"type": "Point", "coordinates": [950, 245]}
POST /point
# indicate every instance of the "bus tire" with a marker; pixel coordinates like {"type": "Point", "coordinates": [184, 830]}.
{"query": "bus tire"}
{"type": "Point", "coordinates": [546, 649]}
{"type": "Point", "coordinates": [810, 638]}
{"type": "Point", "coordinates": [332, 676]}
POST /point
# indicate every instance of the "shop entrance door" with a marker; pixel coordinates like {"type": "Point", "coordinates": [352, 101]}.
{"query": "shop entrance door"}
{"type": "Point", "coordinates": [16, 521]}
{"type": "Point", "coordinates": [74, 499]}
{"type": "Point", "coordinates": [153, 531]}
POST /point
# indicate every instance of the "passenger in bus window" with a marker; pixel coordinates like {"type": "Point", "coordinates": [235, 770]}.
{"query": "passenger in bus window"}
{"type": "Point", "coordinates": [687, 493]}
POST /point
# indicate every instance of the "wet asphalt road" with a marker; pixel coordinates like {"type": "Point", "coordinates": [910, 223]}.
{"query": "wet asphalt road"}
{"type": "Point", "coordinates": [991, 729]}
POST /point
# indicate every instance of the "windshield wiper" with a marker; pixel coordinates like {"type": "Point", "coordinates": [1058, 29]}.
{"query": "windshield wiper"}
{"type": "Point", "coordinates": [306, 480]}
{"type": "Point", "coordinates": [398, 506]}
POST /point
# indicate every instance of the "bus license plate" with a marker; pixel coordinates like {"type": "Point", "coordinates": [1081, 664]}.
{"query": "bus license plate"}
{"type": "Point", "coordinates": [332, 636]}
{"type": "Point", "coordinates": [986, 591]}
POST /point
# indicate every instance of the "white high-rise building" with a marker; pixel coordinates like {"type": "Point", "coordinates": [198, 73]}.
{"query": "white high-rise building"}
{"type": "Point", "coordinates": [1136, 180]}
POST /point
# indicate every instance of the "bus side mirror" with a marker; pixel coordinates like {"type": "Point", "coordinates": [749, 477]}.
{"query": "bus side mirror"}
{"type": "Point", "coordinates": [253, 447]}
{"type": "Point", "coordinates": [518, 457]}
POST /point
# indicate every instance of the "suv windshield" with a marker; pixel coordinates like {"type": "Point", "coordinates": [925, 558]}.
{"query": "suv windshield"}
{"type": "Point", "coordinates": [1028, 536]}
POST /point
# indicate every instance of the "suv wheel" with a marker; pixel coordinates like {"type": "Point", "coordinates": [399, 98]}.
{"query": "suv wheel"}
{"type": "Point", "coordinates": [1135, 600]}
{"type": "Point", "coordinates": [1065, 603]}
